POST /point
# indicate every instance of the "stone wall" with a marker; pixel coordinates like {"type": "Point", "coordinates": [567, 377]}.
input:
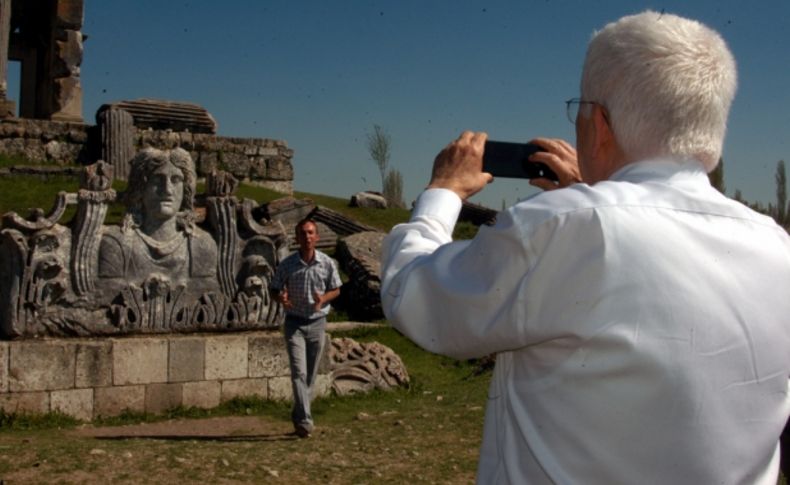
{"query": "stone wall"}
{"type": "Point", "coordinates": [259, 161]}
{"type": "Point", "coordinates": [89, 378]}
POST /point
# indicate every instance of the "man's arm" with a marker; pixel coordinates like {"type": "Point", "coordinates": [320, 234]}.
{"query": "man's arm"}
{"type": "Point", "coordinates": [323, 299]}
{"type": "Point", "coordinates": [455, 299]}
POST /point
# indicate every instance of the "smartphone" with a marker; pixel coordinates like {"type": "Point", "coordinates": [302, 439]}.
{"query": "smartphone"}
{"type": "Point", "coordinates": [511, 160]}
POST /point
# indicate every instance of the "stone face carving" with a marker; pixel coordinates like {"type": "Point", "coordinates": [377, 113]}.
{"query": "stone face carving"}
{"type": "Point", "coordinates": [361, 367]}
{"type": "Point", "coordinates": [162, 270]}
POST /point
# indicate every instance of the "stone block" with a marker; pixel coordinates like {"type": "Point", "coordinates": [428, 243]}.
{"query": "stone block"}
{"type": "Point", "coordinates": [280, 389]}
{"type": "Point", "coordinates": [226, 357]}
{"type": "Point", "coordinates": [187, 359]}
{"type": "Point", "coordinates": [268, 356]}
{"type": "Point", "coordinates": [77, 403]}
{"type": "Point", "coordinates": [279, 169]}
{"type": "Point", "coordinates": [139, 361]}
{"type": "Point", "coordinates": [25, 402]}
{"type": "Point", "coordinates": [161, 397]}
{"type": "Point", "coordinates": [4, 366]}
{"type": "Point", "coordinates": [268, 151]}
{"type": "Point", "coordinates": [112, 401]}
{"type": "Point", "coordinates": [235, 163]}
{"type": "Point", "coordinates": [322, 386]}
{"type": "Point", "coordinates": [94, 364]}
{"type": "Point", "coordinates": [204, 394]}
{"type": "Point", "coordinates": [41, 366]}
{"type": "Point", "coordinates": [325, 364]}
{"type": "Point", "coordinates": [244, 388]}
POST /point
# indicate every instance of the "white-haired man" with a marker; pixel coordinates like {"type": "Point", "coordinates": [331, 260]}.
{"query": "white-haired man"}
{"type": "Point", "coordinates": [640, 318]}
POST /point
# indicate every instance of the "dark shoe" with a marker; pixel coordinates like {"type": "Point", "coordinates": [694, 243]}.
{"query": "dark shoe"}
{"type": "Point", "coordinates": [302, 432]}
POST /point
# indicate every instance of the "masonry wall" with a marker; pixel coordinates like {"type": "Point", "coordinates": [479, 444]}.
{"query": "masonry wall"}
{"type": "Point", "coordinates": [260, 161]}
{"type": "Point", "coordinates": [89, 378]}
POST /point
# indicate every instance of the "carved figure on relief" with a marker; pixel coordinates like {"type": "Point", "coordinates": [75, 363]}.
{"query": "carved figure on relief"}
{"type": "Point", "coordinates": [158, 239]}
{"type": "Point", "coordinates": [164, 269]}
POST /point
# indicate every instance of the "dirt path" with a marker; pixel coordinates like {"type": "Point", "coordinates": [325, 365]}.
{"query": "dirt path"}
{"type": "Point", "coordinates": [232, 428]}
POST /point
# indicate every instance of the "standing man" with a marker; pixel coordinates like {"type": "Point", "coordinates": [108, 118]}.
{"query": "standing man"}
{"type": "Point", "coordinates": [640, 318]}
{"type": "Point", "coordinates": [304, 283]}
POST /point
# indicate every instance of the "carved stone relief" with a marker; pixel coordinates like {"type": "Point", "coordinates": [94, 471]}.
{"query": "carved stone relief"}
{"type": "Point", "coordinates": [362, 367]}
{"type": "Point", "coordinates": [164, 269]}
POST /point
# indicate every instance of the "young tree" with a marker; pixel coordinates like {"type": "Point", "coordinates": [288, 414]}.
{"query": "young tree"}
{"type": "Point", "coordinates": [393, 189]}
{"type": "Point", "coordinates": [379, 150]}
{"type": "Point", "coordinates": [781, 193]}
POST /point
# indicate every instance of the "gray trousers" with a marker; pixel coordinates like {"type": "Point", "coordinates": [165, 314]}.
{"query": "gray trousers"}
{"type": "Point", "coordinates": [304, 340]}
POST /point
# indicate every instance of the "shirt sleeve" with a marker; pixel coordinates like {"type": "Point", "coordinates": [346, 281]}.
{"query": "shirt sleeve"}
{"type": "Point", "coordinates": [333, 279]}
{"type": "Point", "coordinates": [461, 299]}
{"type": "Point", "coordinates": [278, 280]}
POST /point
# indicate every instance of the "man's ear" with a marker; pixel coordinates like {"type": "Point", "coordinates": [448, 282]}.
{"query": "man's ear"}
{"type": "Point", "coordinates": [606, 149]}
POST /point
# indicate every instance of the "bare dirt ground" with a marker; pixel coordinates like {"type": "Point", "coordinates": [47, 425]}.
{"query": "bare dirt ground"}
{"type": "Point", "coordinates": [228, 427]}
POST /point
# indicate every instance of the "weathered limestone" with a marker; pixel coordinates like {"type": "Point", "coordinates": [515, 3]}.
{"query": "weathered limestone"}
{"type": "Point", "coordinates": [94, 367]}
{"type": "Point", "coordinates": [139, 361]}
{"type": "Point", "coordinates": [477, 214]}
{"type": "Point", "coordinates": [186, 360]}
{"type": "Point", "coordinates": [48, 42]}
{"type": "Point", "coordinates": [258, 161]}
{"type": "Point", "coordinates": [163, 115]}
{"type": "Point", "coordinates": [39, 366]}
{"type": "Point", "coordinates": [112, 401]}
{"type": "Point", "coordinates": [25, 403]}
{"type": "Point", "coordinates": [361, 367]}
{"type": "Point", "coordinates": [244, 387]}
{"type": "Point", "coordinates": [280, 388]}
{"type": "Point", "coordinates": [227, 357]}
{"type": "Point", "coordinates": [4, 366]}
{"type": "Point", "coordinates": [160, 271]}
{"type": "Point", "coordinates": [359, 256]}
{"type": "Point", "coordinates": [373, 200]}
{"type": "Point", "coordinates": [161, 397]}
{"type": "Point", "coordinates": [77, 403]}
{"type": "Point", "coordinates": [267, 357]}
{"type": "Point", "coordinates": [7, 108]}
{"type": "Point", "coordinates": [340, 224]}
{"type": "Point", "coordinates": [202, 394]}
{"type": "Point", "coordinates": [107, 377]}
{"type": "Point", "coordinates": [117, 133]}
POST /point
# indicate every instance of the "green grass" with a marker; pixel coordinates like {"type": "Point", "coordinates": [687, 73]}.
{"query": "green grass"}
{"type": "Point", "coordinates": [21, 193]}
{"type": "Point", "coordinates": [15, 160]}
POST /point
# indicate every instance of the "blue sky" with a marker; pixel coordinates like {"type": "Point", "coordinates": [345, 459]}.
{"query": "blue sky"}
{"type": "Point", "coordinates": [319, 74]}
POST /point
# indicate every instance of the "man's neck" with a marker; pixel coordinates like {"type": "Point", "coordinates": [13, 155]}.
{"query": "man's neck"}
{"type": "Point", "coordinates": [307, 255]}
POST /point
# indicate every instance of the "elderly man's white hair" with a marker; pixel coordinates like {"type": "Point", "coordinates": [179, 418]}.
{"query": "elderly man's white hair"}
{"type": "Point", "coordinates": [667, 83]}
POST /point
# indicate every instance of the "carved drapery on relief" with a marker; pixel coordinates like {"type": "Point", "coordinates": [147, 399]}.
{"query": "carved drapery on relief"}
{"type": "Point", "coordinates": [162, 270]}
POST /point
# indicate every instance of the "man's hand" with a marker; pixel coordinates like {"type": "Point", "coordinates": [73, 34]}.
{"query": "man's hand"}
{"type": "Point", "coordinates": [319, 300]}
{"type": "Point", "coordinates": [459, 167]}
{"type": "Point", "coordinates": [282, 298]}
{"type": "Point", "coordinates": [560, 157]}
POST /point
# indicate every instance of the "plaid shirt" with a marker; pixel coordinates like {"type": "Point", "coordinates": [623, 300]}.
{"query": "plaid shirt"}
{"type": "Point", "coordinates": [303, 280]}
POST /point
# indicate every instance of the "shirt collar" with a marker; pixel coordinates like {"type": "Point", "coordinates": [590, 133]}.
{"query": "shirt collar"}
{"type": "Point", "coordinates": [660, 169]}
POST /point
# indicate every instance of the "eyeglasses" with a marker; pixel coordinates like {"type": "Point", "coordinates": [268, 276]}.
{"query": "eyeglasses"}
{"type": "Point", "coordinates": [572, 108]}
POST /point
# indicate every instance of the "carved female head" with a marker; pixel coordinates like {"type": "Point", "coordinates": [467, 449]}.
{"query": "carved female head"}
{"type": "Point", "coordinates": [161, 184]}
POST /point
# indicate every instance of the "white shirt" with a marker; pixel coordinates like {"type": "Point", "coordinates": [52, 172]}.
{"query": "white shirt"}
{"type": "Point", "coordinates": [641, 326]}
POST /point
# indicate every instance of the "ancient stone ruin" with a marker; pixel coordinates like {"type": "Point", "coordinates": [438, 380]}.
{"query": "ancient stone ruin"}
{"type": "Point", "coordinates": [166, 268]}
{"type": "Point", "coordinates": [179, 274]}
{"type": "Point", "coordinates": [361, 367]}
{"type": "Point", "coordinates": [46, 38]}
